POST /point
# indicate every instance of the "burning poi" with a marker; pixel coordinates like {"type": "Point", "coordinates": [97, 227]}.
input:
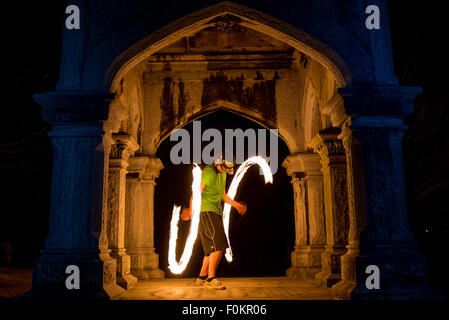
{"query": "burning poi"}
{"type": "Point", "coordinates": [178, 267]}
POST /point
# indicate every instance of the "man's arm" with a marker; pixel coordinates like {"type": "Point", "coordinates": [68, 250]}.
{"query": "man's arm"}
{"type": "Point", "coordinates": [240, 207]}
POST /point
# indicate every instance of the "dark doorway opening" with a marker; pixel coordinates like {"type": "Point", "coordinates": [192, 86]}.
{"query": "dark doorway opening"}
{"type": "Point", "coordinates": [262, 240]}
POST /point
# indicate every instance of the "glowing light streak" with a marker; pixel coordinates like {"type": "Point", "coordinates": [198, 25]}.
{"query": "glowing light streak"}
{"type": "Point", "coordinates": [173, 265]}
{"type": "Point", "coordinates": [233, 190]}
{"type": "Point", "coordinates": [178, 267]}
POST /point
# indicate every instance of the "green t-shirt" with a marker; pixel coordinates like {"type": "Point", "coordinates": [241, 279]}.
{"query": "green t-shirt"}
{"type": "Point", "coordinates": [213, 192]}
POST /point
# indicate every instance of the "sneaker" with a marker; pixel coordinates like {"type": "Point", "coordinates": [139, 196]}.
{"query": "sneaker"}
{"type": "Point", "coordinates": [200, 282]}
{"type": "Point", "coordinates": [215, 284]}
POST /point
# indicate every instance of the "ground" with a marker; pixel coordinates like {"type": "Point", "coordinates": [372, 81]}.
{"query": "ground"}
{"type": "Point", "coordinates": [260, 288]}
{"type": "Point", "coordinates": [14, 281]}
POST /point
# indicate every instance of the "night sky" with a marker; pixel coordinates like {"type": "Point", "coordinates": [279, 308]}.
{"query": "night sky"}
{"type": "Point", "coordinates": [31, 54]}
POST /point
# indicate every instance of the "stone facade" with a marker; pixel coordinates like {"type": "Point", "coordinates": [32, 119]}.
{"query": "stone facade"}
{"type": "Point", "coordinates": [333, 97]}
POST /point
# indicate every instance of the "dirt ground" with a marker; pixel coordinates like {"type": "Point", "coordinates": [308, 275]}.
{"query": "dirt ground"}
{"type": "Point", "coordinates": [15, 281]}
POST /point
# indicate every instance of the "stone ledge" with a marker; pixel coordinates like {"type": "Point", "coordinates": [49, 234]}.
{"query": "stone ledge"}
{"type": "Point", "coordinates": [74, 106]}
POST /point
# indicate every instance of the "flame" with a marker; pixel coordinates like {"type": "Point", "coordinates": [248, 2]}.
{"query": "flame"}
{"type": "Point", "coordinates": [178, 267]}
{"type": "Point", "coordinates": [233, 190]}
{"type": "Point", "coordinates": [173, 265]}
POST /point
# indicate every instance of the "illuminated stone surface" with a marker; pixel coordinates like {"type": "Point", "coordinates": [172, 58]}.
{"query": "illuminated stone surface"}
{"type": "Point", "coordinates": [333, 164]}
{"type": "Point", "coordinates": [267, 288]}
{"type": "Point", "coordinates": [123, 147]}
{"type": "Point", "coordinates": [307, 180]}
{"type": "Point", "coordinates": [139, 233]}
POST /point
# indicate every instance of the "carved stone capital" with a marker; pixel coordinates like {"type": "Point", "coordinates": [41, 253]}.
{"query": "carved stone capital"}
{"type": "Point", "coordinates": [124, 146]}
{"type": "Point", "coordinates": [152, 169]}
{"type": "Point", "coordinates": [311, 163]}
{"type": "Point", "coordinates": [328, 146]}
{"type": "Point", "coordinates": [137, 165]}
{"type": "Point", "coordinates": [117, 165]}
{"type": "Point", "coordinates": [302, 162]}
{"type": "Point", "coordinates": [293, 164]}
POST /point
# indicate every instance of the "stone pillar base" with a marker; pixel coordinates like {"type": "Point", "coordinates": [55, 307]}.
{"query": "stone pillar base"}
{"type": "Point", "coordinates": [126, 281]}
{"type": "Point", "coordinates": [303, 273]}
{"type": "Point", "coordinates": [148, 274]}
{"type": "Point", "coordinates": [97, 275]}
{"type": "Point", "coordinates": [155, 273]}
{"type": "Point", "coordinates": [342, 290]}
{"type": "Point", "coordinates": [124, 278]}
{"type": "Point", "coordinates": [306, 263]}
{"type": "Point", "coordinates": [402, 274]}
{"type": "Point", "coordinates": [145, 263]}
{"type": "Point", "coordinates": [327, 279]}
{"type": "Point", "coordinates": [331, 270]}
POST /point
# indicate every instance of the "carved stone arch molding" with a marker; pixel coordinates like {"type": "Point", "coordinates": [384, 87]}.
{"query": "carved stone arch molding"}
{"type": "Point", "coordinates": [310, 109]}
{"type": "Point", "coordinates": [250, 18]}
{"type": "Point", "coordinates": [201, 111]}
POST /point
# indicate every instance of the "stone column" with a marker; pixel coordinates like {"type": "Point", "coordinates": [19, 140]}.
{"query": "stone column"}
{"type": "Point", "coordinates": [81, 145]}
{"type": "Point", "coordinates": [309, 214]}
{"type": "Point", "coordinates": [134, 206]}
{"type": "Point", "coordinates": [298, 256]}
{"type": "Point", "coordinates": [316, 213]}
{"type": "Point", "coordinates": [333, 163]}
{"type": "Point", "coordinates": [357, 214]}
{"type": "Point", "coordinates": [377, 123]}
{"type": "Point", "coordinates": [139, 238]}
{"type": "Point", "coordinates": [118, 163]}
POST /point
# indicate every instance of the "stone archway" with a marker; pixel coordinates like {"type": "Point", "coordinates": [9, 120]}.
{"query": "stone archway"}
{"type": "Point", "coordinates": [105, 168]}
{"type": "Point", "coordinates": [262, 77]}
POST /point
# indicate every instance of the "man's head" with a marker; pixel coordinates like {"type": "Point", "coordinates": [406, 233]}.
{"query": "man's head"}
{"type": "Point", "coordinates": [224, 165]}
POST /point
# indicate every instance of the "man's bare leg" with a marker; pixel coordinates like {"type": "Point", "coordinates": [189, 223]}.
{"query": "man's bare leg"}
{"type": "Point", "coordinates": [214, 260]}
{"type": "Point", "coordinates": [205, 267]}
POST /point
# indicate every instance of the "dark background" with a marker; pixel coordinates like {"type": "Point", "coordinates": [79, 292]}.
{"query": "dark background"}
{"type": "Point", "coordinates": [262, 240]}
{"type": "Point", "coordinates": [31, 33]}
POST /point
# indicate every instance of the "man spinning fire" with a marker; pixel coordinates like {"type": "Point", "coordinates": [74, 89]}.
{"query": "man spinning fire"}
{"type": "Point", "coordinates": [211, 229]}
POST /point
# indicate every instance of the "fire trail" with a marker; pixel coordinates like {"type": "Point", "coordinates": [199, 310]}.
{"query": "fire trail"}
{"type": "Point", "coordinates": [178, 267]}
